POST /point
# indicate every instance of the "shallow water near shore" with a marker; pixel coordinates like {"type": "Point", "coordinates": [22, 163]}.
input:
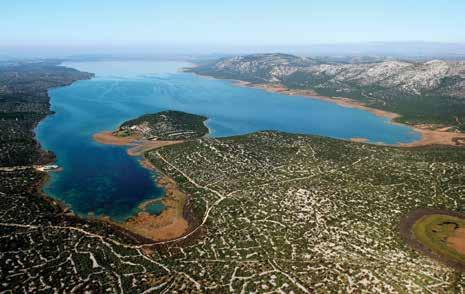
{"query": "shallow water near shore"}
{"type": "Point", "coordinates": [103, 180]}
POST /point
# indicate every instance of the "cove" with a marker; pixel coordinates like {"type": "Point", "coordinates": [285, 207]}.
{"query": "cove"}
{"type": "Point", "coordinates": [103, 180]}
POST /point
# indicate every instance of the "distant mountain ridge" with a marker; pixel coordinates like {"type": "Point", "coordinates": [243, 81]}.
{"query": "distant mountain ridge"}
{"type": "Point", "coordinates": [436, 88]}
{"type": "Point", "coordinates": [257, 67]}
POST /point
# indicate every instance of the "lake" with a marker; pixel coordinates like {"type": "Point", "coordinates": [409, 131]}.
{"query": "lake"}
{"type": "Point", "coordinates": [103, 180]}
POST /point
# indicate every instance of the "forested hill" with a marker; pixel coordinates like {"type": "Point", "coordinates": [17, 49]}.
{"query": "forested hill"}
{"type": "Point", "coordinates": [166, 125]}
{"type": "Point", "coordinates": [24, 101]}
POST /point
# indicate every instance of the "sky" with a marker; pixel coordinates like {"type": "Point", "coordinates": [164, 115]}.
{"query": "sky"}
{"type": "Point", "coordinates": [217, 25]}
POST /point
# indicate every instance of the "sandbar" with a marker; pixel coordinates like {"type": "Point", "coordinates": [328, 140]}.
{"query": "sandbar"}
{"type": "Point", "coordinates": [138, 145]}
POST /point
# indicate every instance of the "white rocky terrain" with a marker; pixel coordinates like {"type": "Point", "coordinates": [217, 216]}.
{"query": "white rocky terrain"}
{"type": "Point", "coordinates": [410, 78]}
{"type": "Point", "coordinates": [270, 67]}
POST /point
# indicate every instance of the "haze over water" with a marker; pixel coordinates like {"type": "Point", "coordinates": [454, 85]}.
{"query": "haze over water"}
{"type": "Point", "coordinates": [102, 179]}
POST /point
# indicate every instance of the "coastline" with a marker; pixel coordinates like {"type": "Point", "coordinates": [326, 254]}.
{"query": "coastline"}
{"type": "Point", "coordinates": [171, 223]}
{"type": "Point", "coordinates": [138, 146]}
{"type": "Point", "coordinates": [62, 211]}
{"type": "Point", "coordinates": [429, 137]}
{"type": "Point", "coordinates": [50, 156]}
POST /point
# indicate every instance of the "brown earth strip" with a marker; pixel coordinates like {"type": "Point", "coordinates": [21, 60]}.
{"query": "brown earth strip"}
{"type": "Point", "coordinates": [107, 137]}
{"type": "Point", "coordinates": [170, 224]}
{"type": "Point", "coordinates": [146, 145]}
{"type": "Point", "coordinates": [359, 140]}
{"type": "Point", "coordinates": [138, 145]}
{"type": "Point", "coordinates": [457, 241]}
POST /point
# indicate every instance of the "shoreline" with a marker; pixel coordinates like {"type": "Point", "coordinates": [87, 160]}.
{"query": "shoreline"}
{"type": "Point", "coordinates": [137, 145]}
{"type": "Point", "coordinates": [429, 137]}
{"type": "Point", "coordinates": [170, 224]}
{"type": "Point", "coordinates": [63, 210]}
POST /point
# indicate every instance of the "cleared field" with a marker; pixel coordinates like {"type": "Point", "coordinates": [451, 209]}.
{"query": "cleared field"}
{"type": "Point", "coordinates": [443, 234]}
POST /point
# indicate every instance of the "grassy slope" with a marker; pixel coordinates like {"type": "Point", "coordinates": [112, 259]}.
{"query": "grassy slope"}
{"type": "Point", "coordinates": [431, 231]}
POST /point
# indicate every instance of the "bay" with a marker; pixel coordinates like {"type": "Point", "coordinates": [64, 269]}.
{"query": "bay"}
{"type": "Point", "coordinates": [103, 180]}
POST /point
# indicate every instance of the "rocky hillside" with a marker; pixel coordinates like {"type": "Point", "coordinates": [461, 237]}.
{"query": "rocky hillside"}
{"type": "Point", "coordinates": [440, 77]}
{"type": "Point", "coordinates": [432, 92]}
{"type": "Point", "coordinates": [407, 77]}
{"type": "Point", "coordinates": [257, 68]}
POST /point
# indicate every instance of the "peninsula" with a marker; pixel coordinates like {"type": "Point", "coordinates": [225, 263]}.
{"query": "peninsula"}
{"type": "Point", "coordinates": [149, 132]}
{"type": "Point", "coordinates": [155, 130]}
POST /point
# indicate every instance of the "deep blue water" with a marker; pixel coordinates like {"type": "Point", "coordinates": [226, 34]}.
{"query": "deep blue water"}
{"type": "Point", "coordinates": [103, 179]}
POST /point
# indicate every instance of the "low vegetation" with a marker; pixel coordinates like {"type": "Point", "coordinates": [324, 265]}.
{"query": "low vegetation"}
{"type": "Point", "coordinates": [274, 212]}
{"type": "Point", "coordinates": [288, 212]}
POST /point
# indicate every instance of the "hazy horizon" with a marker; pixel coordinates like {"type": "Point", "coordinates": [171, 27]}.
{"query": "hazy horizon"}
{"type": "Point", "coordinates": [414, 49]}
{"type": "Point", "coordinates": [57, 28]}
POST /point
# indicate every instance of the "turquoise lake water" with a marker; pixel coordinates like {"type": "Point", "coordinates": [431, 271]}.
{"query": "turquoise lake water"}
{"type": "Point", "coordinates": [101, 179]}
